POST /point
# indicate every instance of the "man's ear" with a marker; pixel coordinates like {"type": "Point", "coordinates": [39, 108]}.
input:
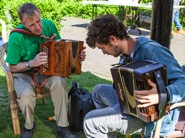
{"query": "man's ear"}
{"type": "Point", "coordinates": [22, 23]}
{"type": "Point", "coordinates": [112, 39]}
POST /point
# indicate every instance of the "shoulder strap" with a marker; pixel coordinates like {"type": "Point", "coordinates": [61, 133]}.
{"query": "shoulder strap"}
{"type": "Point", "coordinates": [71, 91]}
{"type": "Point", "coordinates": [22, 31]}
{"type": "Point", "coordinates": [74, 87]}
{"type": "Point", "coordinates": [162, 93]}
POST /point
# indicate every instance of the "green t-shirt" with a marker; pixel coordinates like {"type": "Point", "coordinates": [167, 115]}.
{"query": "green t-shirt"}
{"type": "Point", "coordinates": [22, 47]}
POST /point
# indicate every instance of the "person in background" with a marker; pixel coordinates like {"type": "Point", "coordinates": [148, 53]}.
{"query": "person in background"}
{"type": "Point", "coordinates": [1, 41]}
{"type": "Point", "coordinates": [109, 35]}
{"type": "Point", "coordinates": [176, 19]}
{"type": "Point", "coordinates": [24, 55]}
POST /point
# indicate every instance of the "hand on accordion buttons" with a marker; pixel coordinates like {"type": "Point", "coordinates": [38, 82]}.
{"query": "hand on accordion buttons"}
{"type": "Point", "coordinates": [147, 97]}
{"type": "Point", "coordinates": [82, 55]}
{"type": "Point", "coordinates": [40, 59]}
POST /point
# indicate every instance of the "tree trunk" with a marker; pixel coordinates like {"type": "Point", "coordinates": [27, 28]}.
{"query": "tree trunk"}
{"type": "Point", "coordinates": [162, 22]}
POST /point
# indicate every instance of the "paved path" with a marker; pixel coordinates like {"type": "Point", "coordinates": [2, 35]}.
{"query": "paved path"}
{"type": "Point", "coordinates": [99, 64]}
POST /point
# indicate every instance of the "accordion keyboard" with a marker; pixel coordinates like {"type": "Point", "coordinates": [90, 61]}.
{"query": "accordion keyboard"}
{"type": "Point", "coordinates": [46, 65]}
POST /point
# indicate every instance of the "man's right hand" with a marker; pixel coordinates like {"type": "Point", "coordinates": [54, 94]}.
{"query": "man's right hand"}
{"type": "Point", "coordinates": [40, 59]}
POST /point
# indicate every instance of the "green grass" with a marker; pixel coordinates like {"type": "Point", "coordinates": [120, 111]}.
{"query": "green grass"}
{"type": "Point", "coordinates": [45, 128]}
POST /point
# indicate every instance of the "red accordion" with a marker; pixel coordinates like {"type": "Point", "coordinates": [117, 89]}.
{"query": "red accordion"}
{"type": "Point", "coordinates": [63, 57]}
{"type": "Point", "coordinates": [134, 76]}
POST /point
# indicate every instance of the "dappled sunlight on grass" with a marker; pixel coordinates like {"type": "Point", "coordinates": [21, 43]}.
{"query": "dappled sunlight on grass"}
{"type": "Point", "coordinates": [45, 128]}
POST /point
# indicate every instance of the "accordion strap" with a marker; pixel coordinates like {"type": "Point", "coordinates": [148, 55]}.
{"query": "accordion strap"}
{"type": "Point", "coordinates": [37, 86]}
{"type": "Point", "coordinates": [27, 32]}
{"type": "Point", "coordinates": [162, 93]}
{"type": "Point", "coordinates": [76, 89]}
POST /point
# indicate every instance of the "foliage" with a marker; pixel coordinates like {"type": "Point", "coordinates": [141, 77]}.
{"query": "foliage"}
{"type": "Point", "coordinates": [56, 9]}
{"type": "Point", "coordinates": [50, 9]}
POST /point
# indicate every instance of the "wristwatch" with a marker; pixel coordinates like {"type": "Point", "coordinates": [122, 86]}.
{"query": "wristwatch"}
{"type": "Point", "coordinates": [28, 64]}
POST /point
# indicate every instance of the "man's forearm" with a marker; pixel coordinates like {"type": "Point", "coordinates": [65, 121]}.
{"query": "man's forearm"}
{"type": "Point", "coordinates": [20, 67]}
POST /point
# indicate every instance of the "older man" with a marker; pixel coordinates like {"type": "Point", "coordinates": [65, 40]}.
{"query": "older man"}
{"type": "Point", "coordinates": [24, 55]}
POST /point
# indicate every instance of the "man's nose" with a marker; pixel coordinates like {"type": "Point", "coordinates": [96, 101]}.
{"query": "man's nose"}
{"type": "Point", "coordinates": [37, 26]}
{"type": "Point", "coordinates": [104, 52]}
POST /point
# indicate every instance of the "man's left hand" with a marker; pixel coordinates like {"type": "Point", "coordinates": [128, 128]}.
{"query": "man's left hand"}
{"type": "Point", "coordinates": [82, 55]}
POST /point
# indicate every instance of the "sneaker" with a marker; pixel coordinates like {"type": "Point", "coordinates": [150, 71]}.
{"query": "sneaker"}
{"type": "Point", "coordinates": [28, 133]}
{"type": "Point", "coordinates": [173, 33]}
{"type": "Point", "coordinates": [65, 133]}
{"type": "Point", "coordinates": [180, 31]}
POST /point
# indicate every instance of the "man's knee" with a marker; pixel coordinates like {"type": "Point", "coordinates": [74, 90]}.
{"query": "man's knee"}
{"type": "Point", "coordinates": [102, 87]}
{"type": "Point", "coordinates": [101, 90]}
{"type": "Point", "coordinates": [57, 80]}
{"type": "Point", "coordinates": [57, 86]}
{"type": "Point", "coordinates": [97, 88]}
{"type": "Point", "coordinates": [27, 100]}
{"type": "Point", "coordinates": [26, 92]}
{"type": "Point", "coordinates": [87, 120]}
{"type": "Point", "coordinates": [97, 91]}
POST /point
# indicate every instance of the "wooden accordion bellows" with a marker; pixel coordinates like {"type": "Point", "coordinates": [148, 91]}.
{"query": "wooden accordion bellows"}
{"type": "Point", "coordinates": [134, 76]}
{"type": "Point", "coordinates": [63, 57]}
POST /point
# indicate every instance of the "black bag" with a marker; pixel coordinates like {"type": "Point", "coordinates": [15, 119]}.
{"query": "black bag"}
{"type": "Point", "coordinates": [80, 104]}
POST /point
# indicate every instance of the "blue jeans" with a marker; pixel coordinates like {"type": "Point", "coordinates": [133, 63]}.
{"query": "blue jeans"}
{"type": "Point", "coordinates": [107, 118]}
{"type": "Point", "coordinates": [176, 16]}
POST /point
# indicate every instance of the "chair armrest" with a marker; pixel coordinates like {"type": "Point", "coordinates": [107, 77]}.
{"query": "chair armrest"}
{"type": "Point", "coordinates": [180, 104]}
{"type": "Point", "coordinates": [159, 121]}
{"type": "Point", "coordinates": [5, 68]}
{"type": "Point", "coordinates": [8, 74]}
{"type": "Point", "coordinates": [13, 105]}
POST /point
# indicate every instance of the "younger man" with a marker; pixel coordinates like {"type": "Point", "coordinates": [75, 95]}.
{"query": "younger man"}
{"type": "Point", "coordinates": [109, 35]}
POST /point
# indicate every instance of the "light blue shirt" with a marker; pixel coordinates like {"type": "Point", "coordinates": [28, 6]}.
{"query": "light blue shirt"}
{"type": "Point", "coordinates": [176, 3]}
{"type": "Point", "coordinates": [1, 41]}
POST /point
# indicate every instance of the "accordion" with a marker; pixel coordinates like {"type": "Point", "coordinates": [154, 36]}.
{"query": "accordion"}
{"type": "Point", "coordinates": [63, 57]}
{"type": "Point", "coordinates": [134, 76]}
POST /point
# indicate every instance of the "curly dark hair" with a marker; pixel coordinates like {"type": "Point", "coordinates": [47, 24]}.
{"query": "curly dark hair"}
{"type": "Point", "coordinates": [101, 28]}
